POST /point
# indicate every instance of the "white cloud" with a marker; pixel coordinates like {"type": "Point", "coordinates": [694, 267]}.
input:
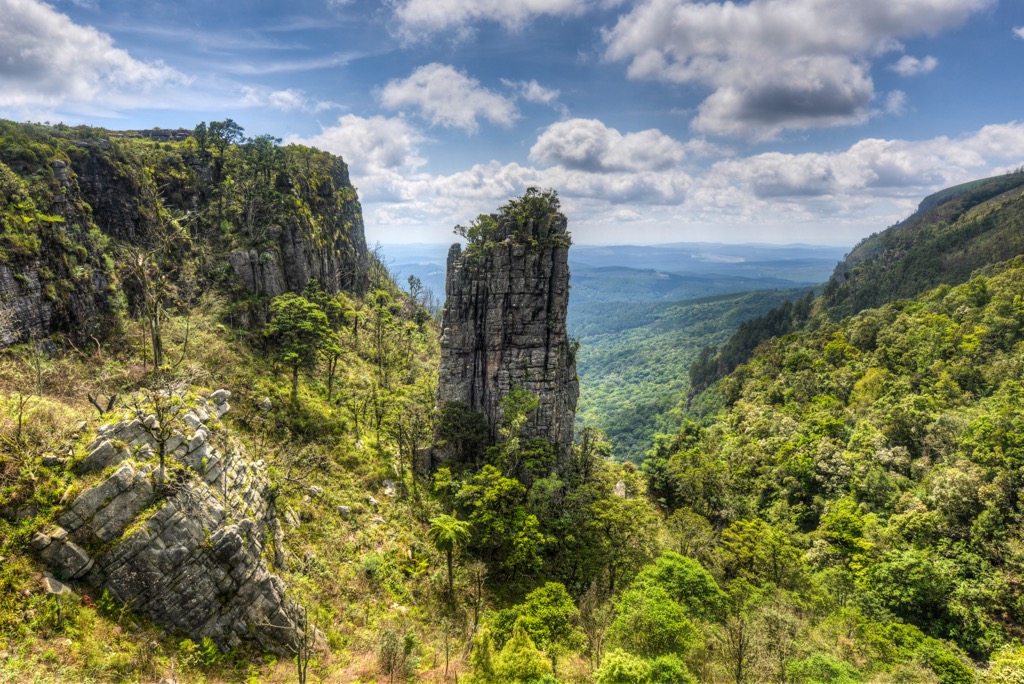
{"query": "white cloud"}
{"type": "Point", "coordinates": [873, 167]}
{"type": "Point", "coordinates": [419, 19]}
{"type": "Point", "coordinates": [382, 153]}
{"type": "Point", "coordinates": [447, 97]}
{"type": "Point", "coordinates": [47, 60]}
{"type": "Point", "coordinates": [289, 100]}
{"type": "Point", "coordinates": [774, 65]}
{"type": "Point", "coordinates": [1019, 32]}
{"type": "Point", "coordinates": [912, 66]}
{"type": "Point", "coordinates": [531, 91]}
{"type": "Point", "coordinates": [896, 102]}
{"type": "Point", "coordinates": [589, 145]}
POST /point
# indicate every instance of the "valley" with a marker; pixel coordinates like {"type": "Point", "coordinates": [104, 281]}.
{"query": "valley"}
{"type": "Point", "coordinates": [239, 445]}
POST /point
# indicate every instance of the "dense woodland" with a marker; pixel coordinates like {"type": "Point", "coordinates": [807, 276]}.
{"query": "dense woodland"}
{"type": "Point", "coordinates": [843, 506]}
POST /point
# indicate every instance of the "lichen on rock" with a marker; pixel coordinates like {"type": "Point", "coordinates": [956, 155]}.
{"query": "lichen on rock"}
{"type": "Point", "coordinates": [504, 318]}
{"type": "Point", "coordinates": [189, 554]}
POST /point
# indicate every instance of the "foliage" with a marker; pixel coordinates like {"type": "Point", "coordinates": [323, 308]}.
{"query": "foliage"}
{"type": "Point", "coordinates": [531, 219]}
{"type": "Point", "coordinates": [633, 360]}
{"type": "Point", "coordinates": [297, 331]}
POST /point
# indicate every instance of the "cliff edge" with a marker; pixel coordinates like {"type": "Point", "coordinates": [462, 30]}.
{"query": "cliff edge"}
{"type": "Point", "coordinates": [504, 318]}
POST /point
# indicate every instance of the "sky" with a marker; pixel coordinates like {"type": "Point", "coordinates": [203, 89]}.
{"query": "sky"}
{"type": "Point", "coordinates": [775, 121]}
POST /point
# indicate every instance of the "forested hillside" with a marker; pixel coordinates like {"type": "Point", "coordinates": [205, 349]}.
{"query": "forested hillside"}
{"type": "Point", "coordinates": [867, 475]}
{"type": "Point", "coordinates": [634, 357]}
{"type": "Point", "coordinates": [953, 233]}
{"type": "Point", "coordinates": [851, 513]}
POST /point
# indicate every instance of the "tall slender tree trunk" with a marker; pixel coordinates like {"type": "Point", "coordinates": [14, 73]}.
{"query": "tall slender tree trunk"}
{"type": "Point", "coordinates": [450, 573]}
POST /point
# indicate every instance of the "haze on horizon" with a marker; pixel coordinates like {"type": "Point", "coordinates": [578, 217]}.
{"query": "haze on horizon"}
{"type": "Point", "coordinates": [660, 121]}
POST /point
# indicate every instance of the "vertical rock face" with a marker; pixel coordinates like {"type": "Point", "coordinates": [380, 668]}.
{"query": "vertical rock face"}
{"type": "Point", "coordinates": [71, 199]}
{"type": "Point", "coordinates": [335, 256]}
{"type": "Point", "coordinates": [504, 325]}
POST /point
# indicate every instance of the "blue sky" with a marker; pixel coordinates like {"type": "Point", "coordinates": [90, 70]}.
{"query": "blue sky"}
{"type": "Point", "coordinates": [816, 121]}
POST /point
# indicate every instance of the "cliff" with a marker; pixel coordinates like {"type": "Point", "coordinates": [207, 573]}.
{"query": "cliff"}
{"type": "Point", "coordinates": [504, 320]}
{"type": "Point", "coordinates": [187, 553]}
{"type": "Point", "coordinates": [243, 215]}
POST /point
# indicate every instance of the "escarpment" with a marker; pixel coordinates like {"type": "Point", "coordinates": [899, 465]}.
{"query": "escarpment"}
{"type": "Point", "coordinates": [81, 209]}
{"type": "Point", "coordinates": [504, 320]}
{"type": "Point", "coordinates": [185, 547]}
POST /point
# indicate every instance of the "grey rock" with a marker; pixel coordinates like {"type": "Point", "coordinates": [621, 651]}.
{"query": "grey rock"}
{"type": "Point", "coordinates": [193, 563]}
{"type": "Point", "coordinates": [55, 586]}
{"type": "Point", "coordinates": [51, 461]}
{"type": "Point", "coordinates": [504, 326]}
{"type": "Point", "coordinates": [390, 488]}
{"type": "Point", "coordinates": [316, 492]}
{"type": "Point", "coordinates": [344, 512]}
{"type": "Point", "coordinates": [67, 558]}
{"type": "Point", "coordinates": [105, 454]}
{"type": "Point", "coordinates": [620, 489]}
{"type": "Point", "coordinates": [220, 396]}
{"type": "Point", "coordinates": [264, 405]}
{"type": "Point", "coordinates": [372, 501]}
{"type": "Point", "coordinates": [291, 518]}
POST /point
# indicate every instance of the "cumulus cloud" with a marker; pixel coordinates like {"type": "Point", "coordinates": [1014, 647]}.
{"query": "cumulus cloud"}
{"type": "Point", "coordinates": [774, 65]}
{"type": "Point", "coordinates": [1019, 32]}
{"type": "Point", "coordinates": [419, 19]}
{"type": "Point", "coordinates": [382, 153]}
{"type": "Point", "coordinates": [589, 145]}
{"type": "Point", "coordinates": [445, 96]}
{"type": "Point", "coordinates": [289, 100]}
{"type": "Point", "coordinates": [607, 177]}
{"type": "Point", "coordinates": [48, 60]}
{"type": "Point", "coordinates": [912, 66]}
{"type": "Point", "coordinates": [873, 166]}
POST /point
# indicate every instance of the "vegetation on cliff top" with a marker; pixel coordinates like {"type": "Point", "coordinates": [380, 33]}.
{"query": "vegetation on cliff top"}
{"type": "Point", "coordinates": [533, 219]}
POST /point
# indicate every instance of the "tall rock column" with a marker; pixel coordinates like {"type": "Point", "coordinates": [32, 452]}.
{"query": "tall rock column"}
{"type": "Point", "coordinates": [504, 320]}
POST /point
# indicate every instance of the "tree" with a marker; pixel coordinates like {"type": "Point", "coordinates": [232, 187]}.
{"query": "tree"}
{"type": "Point", "coordinates": [628, 531]}
{"type": "Point", "coordinates": [221, 135]}
{"type": "Point", "coordinates": [756, 551]}
{"type": "Point", "coordinates": [650, 623]}
{"type": "Point", "coordinates": [296, 333]}
{"type": "Point", "coordinates": [687, 582]}
{"type": "Point", "coordinates": [446, 533]}
{"type": "Point", "coordinates": [549, 616]}
{"type": "Point", "coordinates": [520, 660]}
{"type": "Point", "coordinates": [620, 667]}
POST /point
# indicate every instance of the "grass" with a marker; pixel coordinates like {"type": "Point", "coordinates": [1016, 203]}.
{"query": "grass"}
{"type": "Point", "coordinates": [362, 576]}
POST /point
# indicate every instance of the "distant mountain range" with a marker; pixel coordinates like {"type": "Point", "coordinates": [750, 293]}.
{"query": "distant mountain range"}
{"type": "Point", "coordinates": [653, 273]}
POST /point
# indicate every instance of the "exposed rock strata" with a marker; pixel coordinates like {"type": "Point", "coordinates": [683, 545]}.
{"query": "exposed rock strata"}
{"type": "Point", "coordinates": [94, 185]}
{"type": "Point", "coordinates": [192, 560]}
{"type": "Point", "coordinates": [504, 326]}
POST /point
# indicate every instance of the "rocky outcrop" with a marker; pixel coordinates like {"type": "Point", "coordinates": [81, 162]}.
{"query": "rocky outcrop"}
{"type": "Point", "coordinates": [189, 555]}
{"type": "Point", "coordinates": [504, 326]}
{"type": "Point", "coordinates": [72, 198]}
{"type": "Point", "coordinates": [53, 275]}
{"type": "Point", "coordinates": [335, 255]}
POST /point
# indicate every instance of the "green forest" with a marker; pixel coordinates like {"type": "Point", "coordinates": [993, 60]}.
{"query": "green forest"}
{"type": "Point", "coordinates": [840, 502]}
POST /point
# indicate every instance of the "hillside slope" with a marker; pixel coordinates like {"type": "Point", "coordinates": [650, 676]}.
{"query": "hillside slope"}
{"type": "Point", "coordinates": [953, 233]}
{"type": "Point", "coordinates": [884, 452]}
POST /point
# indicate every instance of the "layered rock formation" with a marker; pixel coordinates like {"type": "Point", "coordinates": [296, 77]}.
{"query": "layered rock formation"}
{"type": "Point", "coordinates": [504, 325]}
{"type": "Point", "coordinates": [70, 198]}
{"type": "Point", "coordinates": [188, 555]}
{"type": "Point", "coordinates": [337, 258]}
